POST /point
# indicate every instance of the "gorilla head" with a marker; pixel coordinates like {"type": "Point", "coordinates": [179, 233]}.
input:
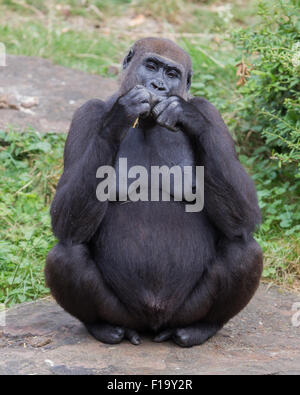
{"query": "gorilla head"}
{"type": "Point", "coordinates": [160, 65]}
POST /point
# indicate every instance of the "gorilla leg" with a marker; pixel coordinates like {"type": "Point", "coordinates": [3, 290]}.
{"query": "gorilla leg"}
{"type": "Point", "coordinates": [77, 285]}
{"type": "Point", "coordinates": [225, 289]}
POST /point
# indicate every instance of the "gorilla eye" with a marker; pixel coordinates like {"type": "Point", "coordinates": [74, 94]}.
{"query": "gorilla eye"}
{"type": "Point", "coordinates": [172, 74]}
{"type": "Point", "coordinates": [151, 66]}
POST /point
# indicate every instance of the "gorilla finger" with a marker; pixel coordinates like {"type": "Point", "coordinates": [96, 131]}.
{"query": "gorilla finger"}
{"type": "Point", "coordinates": [144, 110]}
{"type": "Point", "coordinates": [173, 105]}
{"type": "Point", "coordinates": [166, 123]}
{"type": "Point", "coordinates": [164, 120]}
{"type": "Point", "coordinates": [159, 108]}
{"type": "Point", "coordinates": [132, 336]}
{"type": "Point", "coordinates": [134, 93]}
{"type": "Point", "coordinates": [145, 98]}
{"type": "Point", "coordinates": [171, 127]}
{"type": "Point", "coordinates": [139, 87]}
{"type": "Point", "coordinates": [164, 104]}
{"type": "Point", "coordinates": [142, 97]}
{"type": "Point", "coordinates": [173, 99]}
{"type": "Point", "coordinates": [163, 336]}
{"type": "Point", "coordinates": [156, 99]}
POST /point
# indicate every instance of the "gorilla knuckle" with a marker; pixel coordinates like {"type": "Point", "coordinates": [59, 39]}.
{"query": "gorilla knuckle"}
{"type": "Point", "coordinates": [144, 96]}
{"type": "Point", "coordinates": [141, 97]}
{"type": "Point", "coordinates": [156, 110]}
{"type": "Point", "coordinates": [119, 332]}
{"type": "Point", "coordinates": [160, 106]}
{"type": "Point", "coordinates": [182, 337]}
{"type": "Point", "coordinates": [161, 120]}
{"type": "Point", "coordinates": [117, 335]}
{"type": "Point", "coordinates": [173, 105]}
{"type": "Point", "coordinates": [145, 106]}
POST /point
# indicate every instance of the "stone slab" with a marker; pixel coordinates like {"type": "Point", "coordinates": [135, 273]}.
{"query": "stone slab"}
{"type": "Point", "coordinates": [40, 338]}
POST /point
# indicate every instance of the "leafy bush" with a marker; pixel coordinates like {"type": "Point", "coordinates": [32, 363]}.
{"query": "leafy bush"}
{"type": "Point", "coordinates": [270, 108]}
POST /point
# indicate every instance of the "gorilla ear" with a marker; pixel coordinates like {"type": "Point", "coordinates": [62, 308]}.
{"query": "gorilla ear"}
{"type": "Point", "coordinates": [189, 80]}
{"type": "Point", "coordinates": [128, 58]}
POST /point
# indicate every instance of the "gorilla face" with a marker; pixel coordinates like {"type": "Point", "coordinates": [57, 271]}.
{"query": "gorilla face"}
{"type": "Point", "coordinates": [161, 76]}
{"type": "Point", "coordinates": [159, 65]}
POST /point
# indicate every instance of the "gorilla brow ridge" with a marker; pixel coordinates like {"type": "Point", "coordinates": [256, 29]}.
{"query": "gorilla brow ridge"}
{"type": "Point", "coordinates": [160, 62]}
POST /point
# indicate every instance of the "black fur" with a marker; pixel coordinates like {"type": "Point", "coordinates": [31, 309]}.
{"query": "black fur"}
{"type": "Point", "coordinates": [122, 268]}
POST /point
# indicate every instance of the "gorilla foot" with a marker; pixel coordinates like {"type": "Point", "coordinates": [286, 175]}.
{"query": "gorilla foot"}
{"type": "Point", "coordinates": [112, 334]}
{"type": "Point", "coordinates": [106, 333]}
{"type": "Point", "coordinates": [190, 335]}
{"type": "Point", "coordinates": [132, 336]}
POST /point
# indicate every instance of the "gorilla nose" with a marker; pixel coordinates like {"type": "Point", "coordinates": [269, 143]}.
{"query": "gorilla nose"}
{"type": "Point", "coordinates": [158, 85]}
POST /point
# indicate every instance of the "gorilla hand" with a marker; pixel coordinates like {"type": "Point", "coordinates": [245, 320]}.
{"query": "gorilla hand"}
{"type": "Point", "coordinates": [175, 113]}
{"type": "Point", "coordinates": [136, 103]}
{"type": "Point", "coordinates": [168, 112]}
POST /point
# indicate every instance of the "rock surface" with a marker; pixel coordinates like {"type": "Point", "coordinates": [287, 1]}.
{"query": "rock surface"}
{"type": "Point", "coordinates": [35, 92]}
{"type": "Point", "coordinates": [40, 338]}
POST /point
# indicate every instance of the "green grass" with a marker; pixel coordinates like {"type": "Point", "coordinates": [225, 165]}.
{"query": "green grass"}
{"type": "Point", "coordinates": [281, 259]}
{"type": "Point", "coordinates": [52, 31]}
{"type": "Point", "coordinates": [30, 167]}
{"type": "Point", "coordinates": [84, 51]}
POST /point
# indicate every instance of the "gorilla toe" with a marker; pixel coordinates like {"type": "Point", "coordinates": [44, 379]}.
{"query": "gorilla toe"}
{"type": "Point", "coordinates": [163, 336]}
{"type": "Point", "coordinates": [132, 336]}
{"type": "Point", "coordinates": [106, 333]}
{"type": "Point", "coordinates": [194, 335]}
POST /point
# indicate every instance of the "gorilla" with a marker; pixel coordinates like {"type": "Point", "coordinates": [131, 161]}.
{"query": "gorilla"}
{"type": "Point", "coordinates": [127, 267]}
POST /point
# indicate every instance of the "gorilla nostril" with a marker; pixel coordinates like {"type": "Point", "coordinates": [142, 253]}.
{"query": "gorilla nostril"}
{"type": "Point", "coordinates": [158, 85]}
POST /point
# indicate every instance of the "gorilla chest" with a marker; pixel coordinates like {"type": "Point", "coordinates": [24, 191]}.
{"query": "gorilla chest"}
{"type": "Point", "coordinates": [143, 153]}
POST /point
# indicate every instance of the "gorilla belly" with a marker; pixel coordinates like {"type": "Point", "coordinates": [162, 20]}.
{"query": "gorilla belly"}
{"type": "Point", "coordinates": [152, 254]}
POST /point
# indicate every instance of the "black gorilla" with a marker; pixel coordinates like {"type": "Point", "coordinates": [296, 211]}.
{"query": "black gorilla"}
{"type": "Point", "coordinates": [150, 265]}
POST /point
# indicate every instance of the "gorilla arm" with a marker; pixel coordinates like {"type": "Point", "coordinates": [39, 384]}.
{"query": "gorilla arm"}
{"type": "Point", "coordinates": [230, 196]}
{"type": "Point", "coordinates": [93, 140]}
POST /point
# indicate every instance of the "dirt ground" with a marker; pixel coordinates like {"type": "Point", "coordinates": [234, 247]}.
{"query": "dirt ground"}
{"type": "Point", "coordinates": [34, 92]}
